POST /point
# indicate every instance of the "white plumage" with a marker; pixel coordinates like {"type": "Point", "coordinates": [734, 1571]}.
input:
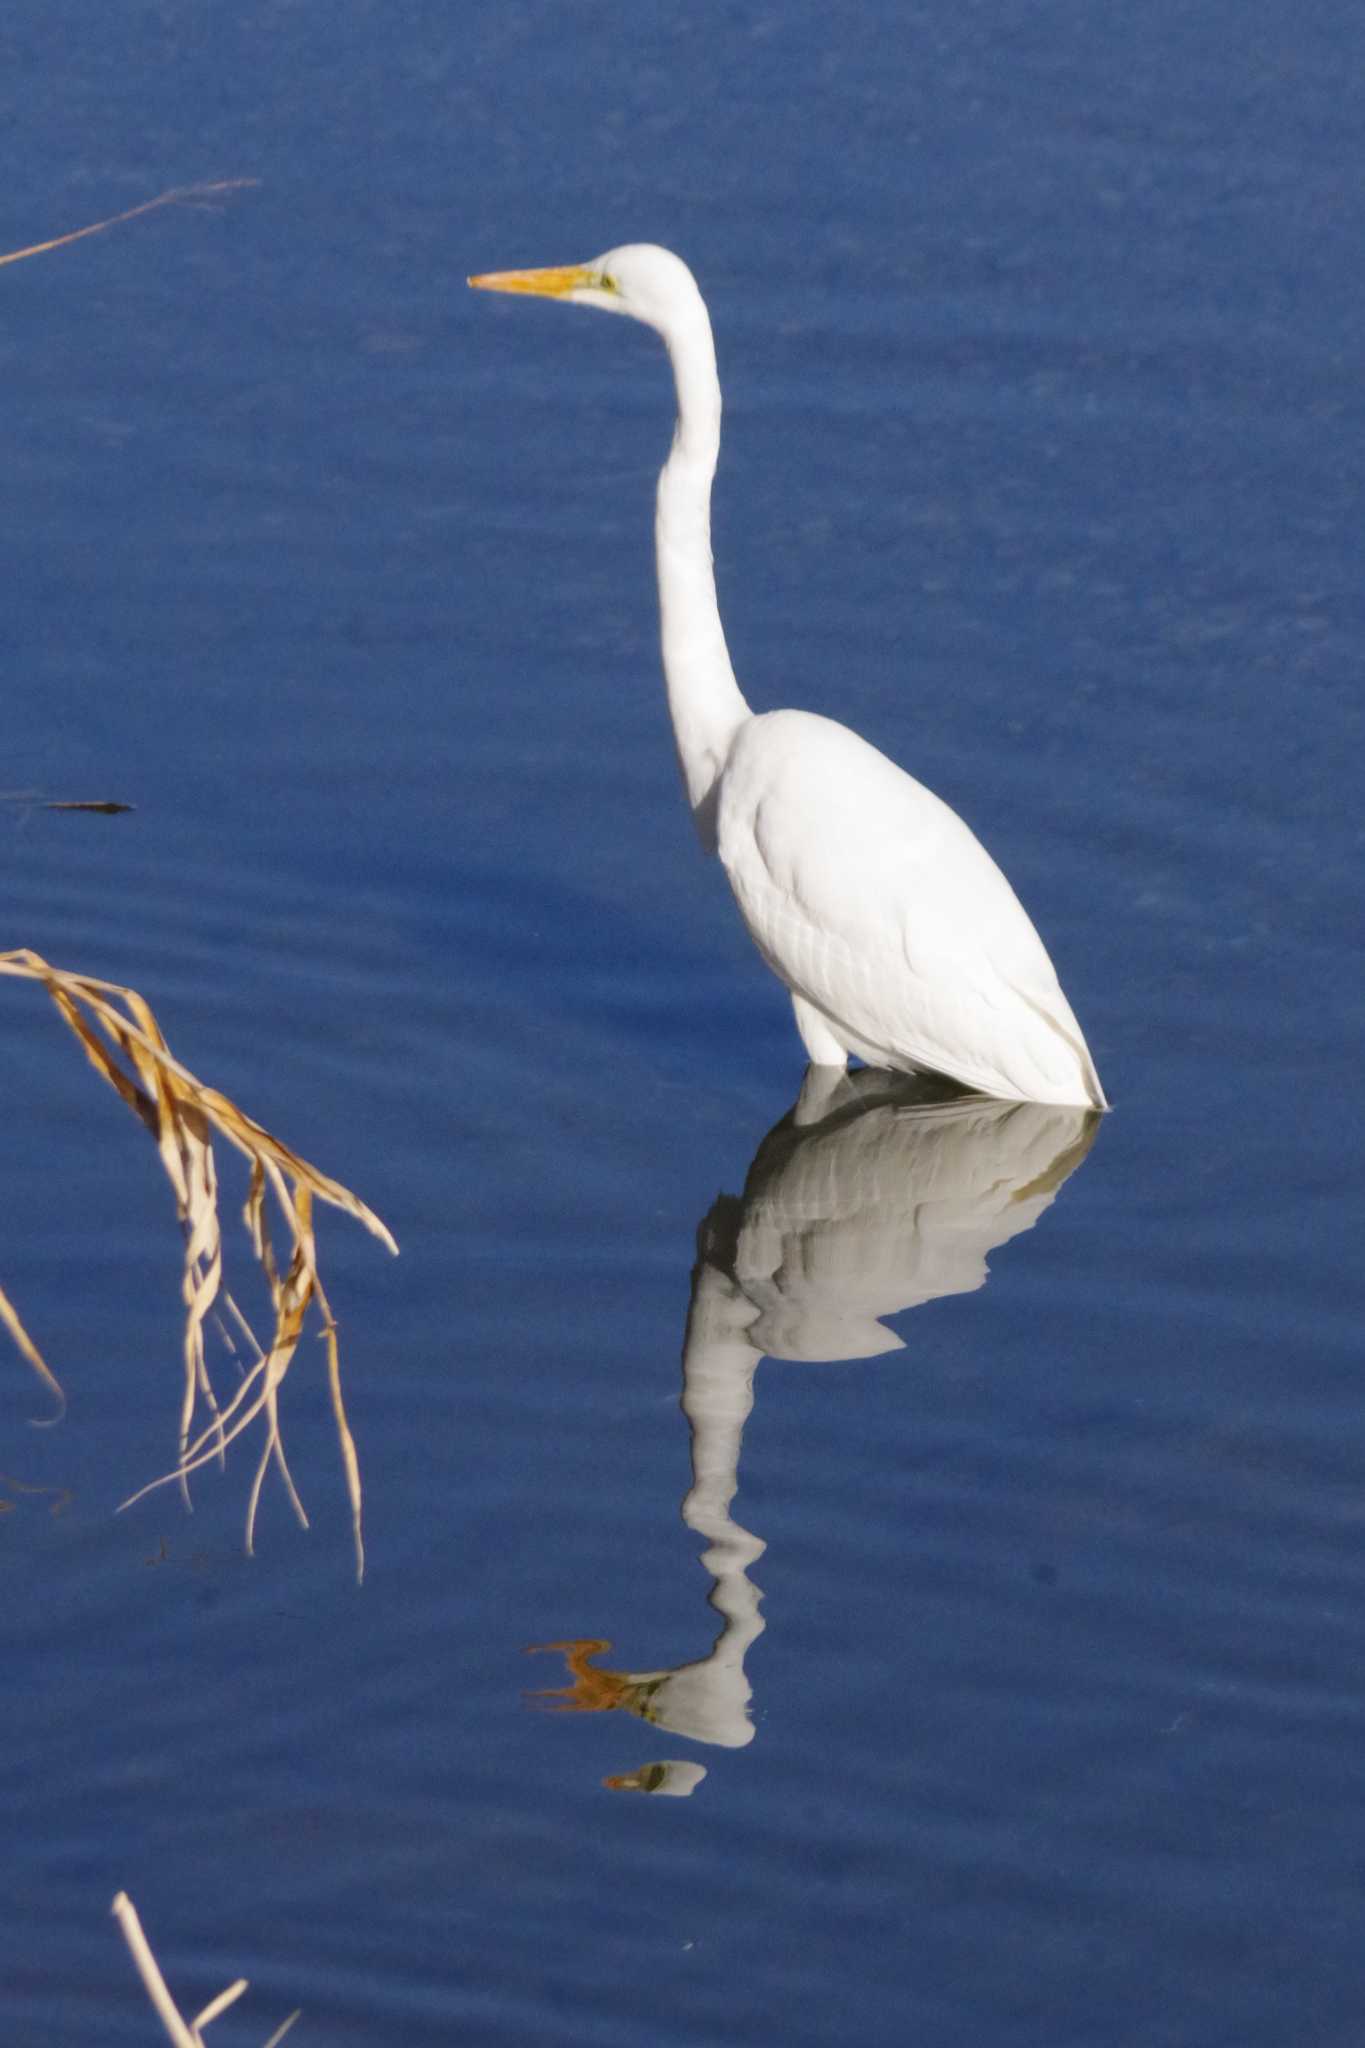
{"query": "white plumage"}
{"type": "Point", "coordinates": [899, 938]}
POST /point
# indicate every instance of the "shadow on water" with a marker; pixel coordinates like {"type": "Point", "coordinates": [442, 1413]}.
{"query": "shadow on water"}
{"type": "Point", "coordinates": [871, 1196]}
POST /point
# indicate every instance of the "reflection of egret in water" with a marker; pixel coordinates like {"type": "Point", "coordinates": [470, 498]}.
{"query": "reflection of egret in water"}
{"type": "Point", "coordinates": [871, 1196]}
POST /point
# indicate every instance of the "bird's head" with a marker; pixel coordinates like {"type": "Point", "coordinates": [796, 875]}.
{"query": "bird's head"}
{"type": "Point", "coordinates": [649, 283]}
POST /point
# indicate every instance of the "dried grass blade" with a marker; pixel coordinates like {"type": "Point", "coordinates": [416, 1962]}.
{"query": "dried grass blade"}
{"type": "Point", "coordinates": [178, 194]}
{"type": "Point", "coordinates": [219, 2004]}
{"type": "Point", "coordinates": [101, 1059]}
{"type": "Point", "coordinates": [350, 1462]}
{"type": "Point", "coordinates": [9, 1316]}
{"type": "Point", "coordinates": [257, 1142]}
{"type": "Point", "coordinates": [203, 1451]}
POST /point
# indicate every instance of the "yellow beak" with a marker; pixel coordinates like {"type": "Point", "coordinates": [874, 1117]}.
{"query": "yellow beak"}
{"type": "Point", "coordinates": [549, 284]}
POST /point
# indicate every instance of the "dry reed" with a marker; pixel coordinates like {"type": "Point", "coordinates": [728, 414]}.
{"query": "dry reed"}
{"type": "Point", "coordinates": [122, 1040]}
{"type": "Point", "coordinates": [184, 2033]}
{"type": "Point", "coordinates": [180, 1112]}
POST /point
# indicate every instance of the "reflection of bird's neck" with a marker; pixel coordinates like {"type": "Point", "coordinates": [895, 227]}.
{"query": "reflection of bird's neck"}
{"type": "Point", "coordinates": [709, 1700]}
{"type": "Point", "coordinates": [717, 1397]}
{"type": "Point", "coordinates": [704, 699]}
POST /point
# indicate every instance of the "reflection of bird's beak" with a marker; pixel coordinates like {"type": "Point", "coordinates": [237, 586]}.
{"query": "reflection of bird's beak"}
{"type": "Point", "coordinates": [548, 284]}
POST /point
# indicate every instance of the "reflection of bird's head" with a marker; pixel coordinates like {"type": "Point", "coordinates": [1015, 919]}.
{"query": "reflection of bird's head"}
{"type": "Point", "coordinates": [649, 283]}
{"type": "Point", "coordinates": [673, 1778]}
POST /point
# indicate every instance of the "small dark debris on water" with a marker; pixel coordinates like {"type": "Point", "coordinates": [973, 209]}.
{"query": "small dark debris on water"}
{"type": "Point", "coordinates": [106, 810]}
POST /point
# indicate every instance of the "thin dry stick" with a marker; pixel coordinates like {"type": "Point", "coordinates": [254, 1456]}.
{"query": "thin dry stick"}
{"type": "Point", "coordinates": [167, 2011]}
{"type": "Point", "coordinates": [184, 2033]}
{"type": "Point", "coordinates": [117, 1032]}
{"type": "Point", "coordinates": [178, 194]}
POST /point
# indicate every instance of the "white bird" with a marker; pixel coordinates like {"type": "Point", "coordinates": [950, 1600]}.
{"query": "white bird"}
{"type": "Point", "coordinates": [898, 936]}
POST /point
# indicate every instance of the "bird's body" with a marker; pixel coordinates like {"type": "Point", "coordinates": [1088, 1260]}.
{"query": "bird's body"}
{"type": "Point", "coordinates": [899, 938]}
{"type": "Point", "coordinates": [887, 918]}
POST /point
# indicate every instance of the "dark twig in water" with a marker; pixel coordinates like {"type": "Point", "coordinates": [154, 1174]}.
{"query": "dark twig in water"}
{"type": "Point", "coordinates": [107, 808]}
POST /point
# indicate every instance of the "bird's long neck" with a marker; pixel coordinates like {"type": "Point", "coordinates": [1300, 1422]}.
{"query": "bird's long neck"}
{"type": "Point", "coordinates": [704, 699]}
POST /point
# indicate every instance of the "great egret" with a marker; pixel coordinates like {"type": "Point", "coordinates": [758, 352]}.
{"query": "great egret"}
{"type": "Point", "coordinates": [898, 936]}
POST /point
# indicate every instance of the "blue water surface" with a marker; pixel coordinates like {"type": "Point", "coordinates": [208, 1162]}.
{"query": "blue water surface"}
{"type": "Point", "coordinates": [1013, 1698]}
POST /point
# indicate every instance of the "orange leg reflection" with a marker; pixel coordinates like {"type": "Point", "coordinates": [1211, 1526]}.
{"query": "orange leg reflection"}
{"type": "Point", "coordinates": [592, 1691]}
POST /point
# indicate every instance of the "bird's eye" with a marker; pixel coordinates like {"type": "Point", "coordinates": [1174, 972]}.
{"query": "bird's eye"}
{"type": "Point", "coordinates": [608, 284]}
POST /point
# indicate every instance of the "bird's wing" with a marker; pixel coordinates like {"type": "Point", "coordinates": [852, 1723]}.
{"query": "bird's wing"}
{"type": "Point", "coordinates": [868, 896]}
